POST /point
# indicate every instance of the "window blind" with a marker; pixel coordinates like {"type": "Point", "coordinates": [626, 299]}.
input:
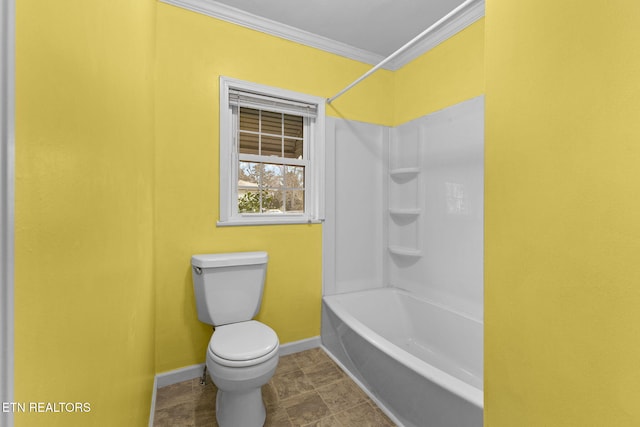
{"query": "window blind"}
{"type": "Point", "coordinates": [263, 102]}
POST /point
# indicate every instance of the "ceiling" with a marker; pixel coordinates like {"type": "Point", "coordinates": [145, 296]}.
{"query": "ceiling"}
{"type": "Point", "coordinates": [376, 26]}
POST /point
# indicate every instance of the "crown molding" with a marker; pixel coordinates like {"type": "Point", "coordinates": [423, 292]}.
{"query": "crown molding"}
{"type": "Point", "coordinates": [458, 22]}
{"type": "Point", "coordinates": [212, 8]}
{"type": "Point", "coordinates": [245, 19]}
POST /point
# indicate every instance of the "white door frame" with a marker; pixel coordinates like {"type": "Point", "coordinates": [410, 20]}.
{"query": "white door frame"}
{"type": "Point", "coordinates": [7, 202]}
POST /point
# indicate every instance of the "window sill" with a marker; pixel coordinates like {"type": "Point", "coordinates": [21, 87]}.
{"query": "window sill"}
{"type": "Point", "coordinates": [267, 221]}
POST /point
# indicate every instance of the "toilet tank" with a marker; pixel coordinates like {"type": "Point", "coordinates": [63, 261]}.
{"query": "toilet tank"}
{"type": "Point", "coordinates": [228, 287]}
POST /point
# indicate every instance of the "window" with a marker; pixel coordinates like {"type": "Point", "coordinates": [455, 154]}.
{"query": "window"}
{"type": "Point", "coordinates": [271, 155]}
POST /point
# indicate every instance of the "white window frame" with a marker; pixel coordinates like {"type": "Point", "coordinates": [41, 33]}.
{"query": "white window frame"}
{"type": "Point", "coordinates": [314, 172]}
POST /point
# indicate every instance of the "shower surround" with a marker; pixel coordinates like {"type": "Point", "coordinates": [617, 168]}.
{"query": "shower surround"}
{"type": "Point", "coordinates": [404, 249]}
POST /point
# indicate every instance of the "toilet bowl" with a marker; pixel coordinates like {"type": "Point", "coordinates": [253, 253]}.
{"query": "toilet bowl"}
{"type": "Point", "coordinates": [241, 358]}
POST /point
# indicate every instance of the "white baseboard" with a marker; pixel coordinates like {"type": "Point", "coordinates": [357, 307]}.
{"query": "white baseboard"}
{"type": "Point", "coordinates": [298, 346]}
{"type": "Point", "coordinates": [195, 371]}
{"type": "Point", "coordinates": [178, 375]}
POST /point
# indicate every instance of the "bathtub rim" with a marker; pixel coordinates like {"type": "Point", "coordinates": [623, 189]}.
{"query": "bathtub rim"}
{"type": "Point", "coordinates": [454, 385]}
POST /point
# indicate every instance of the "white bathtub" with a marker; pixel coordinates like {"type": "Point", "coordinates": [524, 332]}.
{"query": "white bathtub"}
{"type": "Point", "coordinates": [422, 361]}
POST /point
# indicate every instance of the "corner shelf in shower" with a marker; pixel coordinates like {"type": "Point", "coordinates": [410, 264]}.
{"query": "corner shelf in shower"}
{"type": "Point", "coordinates": [407, 252]}
{"type": "Point", "coordinates": [404, 174]}
{"type": "Point", "coordinates": [405, 213]}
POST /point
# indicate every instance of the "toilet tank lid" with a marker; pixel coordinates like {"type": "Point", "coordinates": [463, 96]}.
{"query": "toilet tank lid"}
{"type": "Point", "coordinates": [229, 259]}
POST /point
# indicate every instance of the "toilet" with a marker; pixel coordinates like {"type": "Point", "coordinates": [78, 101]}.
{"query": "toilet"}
{"type": "Point", "coordinates": [242, 355]}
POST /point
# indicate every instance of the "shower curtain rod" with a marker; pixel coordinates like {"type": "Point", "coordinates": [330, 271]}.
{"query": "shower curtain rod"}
{"type": "Point", "coordinates": [399, 51]}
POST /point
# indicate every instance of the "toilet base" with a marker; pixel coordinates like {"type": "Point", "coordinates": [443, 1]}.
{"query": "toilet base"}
{"type": "Point", "coordinates": [239, 398]}
{"type": "Point", "coordinates": [240, 408]}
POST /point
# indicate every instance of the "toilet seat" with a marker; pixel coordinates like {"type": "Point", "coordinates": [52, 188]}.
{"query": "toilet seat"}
{"type": "Point", "coordinates": [243, 344]}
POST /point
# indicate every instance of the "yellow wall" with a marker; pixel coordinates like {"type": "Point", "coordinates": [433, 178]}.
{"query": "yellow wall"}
{"type": "Point", "coordinates": [117, 186]}
{"type": "Point", "coordinates": [84, 296]}
{"type": "Point", "coordinates": [562, 214]}
{"type": "Point", "coordinates": [192, 52]}
{"type": "Point", "coordinates": [450, 73]}
{"type": "Point", "coordinates": [110, 206]}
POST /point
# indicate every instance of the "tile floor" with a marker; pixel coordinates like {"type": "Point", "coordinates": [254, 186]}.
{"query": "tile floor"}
{"type": "Point", "coordinates": [308, 389]}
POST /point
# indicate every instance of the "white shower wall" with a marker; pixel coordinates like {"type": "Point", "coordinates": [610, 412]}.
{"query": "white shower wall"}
{"type": "Point", "coordinates": [355, 226]}
{"type": "Point", "coordinates": [405, 206]}
{"type": "Point", "coordinates": [438, 219]}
